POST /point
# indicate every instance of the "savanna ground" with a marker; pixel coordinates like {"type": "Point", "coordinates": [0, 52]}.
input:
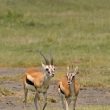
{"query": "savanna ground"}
{"type": "Point", "coordinates": [76, 32]}
{"type": "Point", "coordinates": [12, 97]}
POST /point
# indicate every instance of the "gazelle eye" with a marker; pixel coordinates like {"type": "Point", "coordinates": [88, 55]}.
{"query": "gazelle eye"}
{"type": "Point", "coordinates": [73, 77]}
{"type": "Point", "coordinates": [54, 69]}
{"type": "Point", "coordinates": [47, 69]}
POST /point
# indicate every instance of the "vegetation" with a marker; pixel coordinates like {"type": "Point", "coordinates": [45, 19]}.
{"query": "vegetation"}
{"type": "Point", "coordinates": [6, 92]}
{"type": "Point", "coordinates": [95, 108]}
{"type": "Point", "coordinates": [77, 32]}
{"type": "Point", "coordinates": [87, 77]}
{"type": "Point", "coordinates": [88, 108]}
{"type": "Point", "coordinates": [85, 108]}
{"type": "Point", "coordinates": [17, 77]}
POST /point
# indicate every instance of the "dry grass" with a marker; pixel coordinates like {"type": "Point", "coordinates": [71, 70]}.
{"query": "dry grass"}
{"type": "Point", "coordinates": [6, 92]}
{"type": "Point", "coordinates": [87, 77]}
{"type": "Point", "coordinates": [86, 108]}
{"type": "Point", "coordinates": [17, 77]}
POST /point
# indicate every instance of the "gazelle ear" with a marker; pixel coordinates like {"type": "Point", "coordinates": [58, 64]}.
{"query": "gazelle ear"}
{"type": "Point", "coordinates": [43, 65]}
{"type": "Point", "coordinates": [76, 70]}
{"type": "Point", "coordinates": [67, 70]}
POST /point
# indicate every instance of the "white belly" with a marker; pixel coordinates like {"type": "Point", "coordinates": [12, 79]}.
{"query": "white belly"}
{"type": "Point", "coordinates": [30, 87]}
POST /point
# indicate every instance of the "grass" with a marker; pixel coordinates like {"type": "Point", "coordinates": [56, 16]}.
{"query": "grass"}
{"type": "Point", "coordinates": [86, 108]}
{"type": "Point", "coordinates": [6, 92]}
{"type": "Point", "coordinates": [87, 77]}
{"type": "Point", "coordinates": [30, 99]}
{"type": "Point", "coordinates": [77, 32]}
{"type": "Point", "coordinates": [17, 77]}
{"type": "Point", "coordinates": [89, 108]}
{"type": "Point", "coordinates": [94, 108]}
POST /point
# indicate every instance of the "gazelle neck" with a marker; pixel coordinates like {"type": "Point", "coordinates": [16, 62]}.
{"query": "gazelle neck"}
{"type": "Point", "coordinates": [46, 79]}
{"type": "Point", "coordinates": [72, 87]}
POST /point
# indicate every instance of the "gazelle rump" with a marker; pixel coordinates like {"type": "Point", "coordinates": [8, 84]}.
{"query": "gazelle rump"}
{"type": "Point", "coordinates": [68, 89]}
{"type": "Point", "coordinates": [39, 81]}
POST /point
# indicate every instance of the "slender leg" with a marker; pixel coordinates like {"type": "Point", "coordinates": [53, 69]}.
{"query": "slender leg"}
{"type": "Point", "coordinates": [25, 94]}
{"type": "Point", "coordinates": [66, 104]}
{"type": "Point", "coordinates": [74, 104]}
{"type": "Point", "coordinates": [68, 101]}
{"type": "Point", "coordinates": [37, 98]}
{"type": "Point", "coordinates": [45, 100]}
{"type": "Point", "coordinates": [62, 99]}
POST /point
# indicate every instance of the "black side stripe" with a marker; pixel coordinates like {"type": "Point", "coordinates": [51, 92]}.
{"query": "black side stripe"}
{"type": "Point", "coordinates": [29, 82]}
{"type": "Point", "coordinates": [61, 90]}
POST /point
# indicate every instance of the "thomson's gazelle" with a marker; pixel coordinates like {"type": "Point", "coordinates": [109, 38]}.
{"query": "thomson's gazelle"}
{"type": "Point", "coordinates": [39, 81]}
{"type": "Point", "coordinates": [68, 89]}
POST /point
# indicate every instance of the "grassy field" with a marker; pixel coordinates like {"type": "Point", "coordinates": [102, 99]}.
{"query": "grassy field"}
{"type": "Point", "coordinates": [77, 32]}
{"type": "Point", "coordinates": [95, 108]}
{"type": "Point", "coordinates": [89, 108]}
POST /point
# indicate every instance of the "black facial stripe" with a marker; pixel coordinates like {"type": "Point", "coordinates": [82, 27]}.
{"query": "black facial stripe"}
{"type": "Point", "coordinates": [29, 82]}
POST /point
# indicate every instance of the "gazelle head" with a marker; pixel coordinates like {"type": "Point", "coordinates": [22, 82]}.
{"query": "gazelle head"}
{"type": "Point", "coordinates": [49, 67]}
{"type": "Point", "coordinates": [71, 75]}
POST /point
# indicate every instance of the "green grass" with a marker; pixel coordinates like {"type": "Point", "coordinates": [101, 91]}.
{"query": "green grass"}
{"type": "Point", "coordinates": [77, 32]}
{"type": "Point", "coordinates": [86, 108]}
{"type": "Point", "coordinates": [94, 108]}
{"type": "Point", "coordinates": [72, 30]}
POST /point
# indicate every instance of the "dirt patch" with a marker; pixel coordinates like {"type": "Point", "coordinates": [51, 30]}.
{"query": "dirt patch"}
{"type": "Point", "coordinates": [87, 96]}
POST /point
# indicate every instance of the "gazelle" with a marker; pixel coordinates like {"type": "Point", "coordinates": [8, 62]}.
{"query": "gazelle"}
{"type": "Point", "coordinates": [68, 89]}
{"type": "Point", "coordinates": [39, 81]}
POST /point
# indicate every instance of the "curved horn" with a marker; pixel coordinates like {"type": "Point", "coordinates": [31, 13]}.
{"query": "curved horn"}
{"type": "Point", "coordinates": [51, 58]}
{"type": "Point", "coordinates": [72, 68]}
{"type": "Point", "coordinates": [68, 70]}
{"type": "Point", "coordinates": [47, 62]}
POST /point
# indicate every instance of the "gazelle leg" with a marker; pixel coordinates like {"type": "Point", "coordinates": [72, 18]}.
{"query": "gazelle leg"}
{"type": "Point", "coordinates": [74, 103]}
{"type": "Point", "coordinates": [68, 101]}
{"type": "Point", "coordinates": [62, 99]}
{"type": "Point", "coordinates": [66, 104]}
{"type": "Point", "coordinates": [37, 98]}
{"type": "Point", "coordinates": [25, 94]}
{"type": "Point", "coordinates": [45, 100]}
